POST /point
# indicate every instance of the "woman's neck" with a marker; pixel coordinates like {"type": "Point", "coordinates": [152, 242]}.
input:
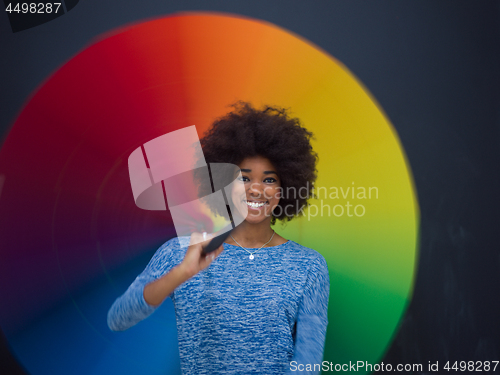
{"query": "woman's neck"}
{"type": "Point", "coordinates": [252, 235]}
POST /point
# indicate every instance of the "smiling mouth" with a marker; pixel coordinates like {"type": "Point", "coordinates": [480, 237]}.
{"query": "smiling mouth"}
{"type": "Point", "coordinates": [256, 204]}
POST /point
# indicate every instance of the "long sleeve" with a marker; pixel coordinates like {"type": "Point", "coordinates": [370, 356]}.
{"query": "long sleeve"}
{"type": "Point", "coordinates": [312, 321]}
{"type": "Point", "coordinates": [130, 308]}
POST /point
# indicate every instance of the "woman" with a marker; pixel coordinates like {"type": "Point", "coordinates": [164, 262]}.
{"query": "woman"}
{"type": "Point", "coordinates": [258, 304]}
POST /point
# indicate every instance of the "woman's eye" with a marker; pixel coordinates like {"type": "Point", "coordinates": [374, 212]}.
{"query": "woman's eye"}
{"type": "Point", "coordinates": [270, 180]}
{"type": "Point", "coordinates": [243, 178]}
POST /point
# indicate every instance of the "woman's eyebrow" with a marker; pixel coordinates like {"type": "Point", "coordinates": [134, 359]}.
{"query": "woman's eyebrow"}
{"type": "Point", "coordinates": [265, 172]}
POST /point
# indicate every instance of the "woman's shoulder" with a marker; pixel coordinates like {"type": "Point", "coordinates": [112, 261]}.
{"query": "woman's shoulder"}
{"type": "Point", "coordinates": [305, 265]}
{"type": "Point", "coordinates": [301, 250]}
{"type": "Point", "coordinates": [304, 254]}
{"type": "Point", "coordinates": [176, 243]}
{"type": "Point", "coordinates": [171, 249]}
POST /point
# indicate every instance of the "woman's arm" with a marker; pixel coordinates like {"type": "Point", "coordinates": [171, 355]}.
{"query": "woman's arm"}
{"type": "Point", "coordinates": [158, 290]}
{"type": "Point", "coordinates": [312, 320]}
{"type": "Point", "coordinates": [157, 282]}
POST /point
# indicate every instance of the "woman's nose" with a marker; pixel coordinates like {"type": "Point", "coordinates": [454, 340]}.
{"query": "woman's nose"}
{"type": "Point", "coordinates": [255, 190]}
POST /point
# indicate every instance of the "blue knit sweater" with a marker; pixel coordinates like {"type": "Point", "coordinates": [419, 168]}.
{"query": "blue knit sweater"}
{"type": "Point", "coordinates": [240, 316]}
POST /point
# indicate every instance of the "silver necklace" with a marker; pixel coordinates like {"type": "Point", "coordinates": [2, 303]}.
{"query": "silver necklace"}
{"type": "Point", "coordinates": [250, 252]}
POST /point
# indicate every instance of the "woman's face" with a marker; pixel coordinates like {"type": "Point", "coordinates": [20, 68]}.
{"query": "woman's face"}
{"type": "Point", "coordinates": [261, 193]}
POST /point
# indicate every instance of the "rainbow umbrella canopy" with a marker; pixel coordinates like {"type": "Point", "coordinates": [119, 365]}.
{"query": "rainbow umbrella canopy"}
{"type": "Point", "coordinates": [69, 224]}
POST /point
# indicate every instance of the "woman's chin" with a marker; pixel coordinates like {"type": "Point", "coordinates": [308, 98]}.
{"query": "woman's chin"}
{"type": "Point", "coordinates": [257, 219]}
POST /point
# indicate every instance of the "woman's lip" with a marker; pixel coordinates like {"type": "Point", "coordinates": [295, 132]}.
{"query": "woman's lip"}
{"type": "Point", "coordinates": [265, 203]}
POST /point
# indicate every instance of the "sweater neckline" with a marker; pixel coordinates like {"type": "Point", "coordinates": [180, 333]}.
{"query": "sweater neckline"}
{"type": "Point", "coordinates": [254, 248]}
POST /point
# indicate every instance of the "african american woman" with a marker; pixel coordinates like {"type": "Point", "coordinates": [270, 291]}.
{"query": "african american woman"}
{"type": "Point", "coordinates": [258, 304]}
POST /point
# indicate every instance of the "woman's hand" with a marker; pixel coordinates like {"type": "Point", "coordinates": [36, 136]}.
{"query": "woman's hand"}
{"type": "Point", "coordinates": [195, 260]}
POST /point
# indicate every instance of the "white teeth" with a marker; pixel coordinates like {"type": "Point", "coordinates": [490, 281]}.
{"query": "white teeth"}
{"type": "Point", "coordinates": [255, 204]}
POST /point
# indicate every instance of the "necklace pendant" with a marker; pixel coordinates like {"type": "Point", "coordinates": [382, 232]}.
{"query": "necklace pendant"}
{"type": "Point", "coordinates": [251, 257]}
